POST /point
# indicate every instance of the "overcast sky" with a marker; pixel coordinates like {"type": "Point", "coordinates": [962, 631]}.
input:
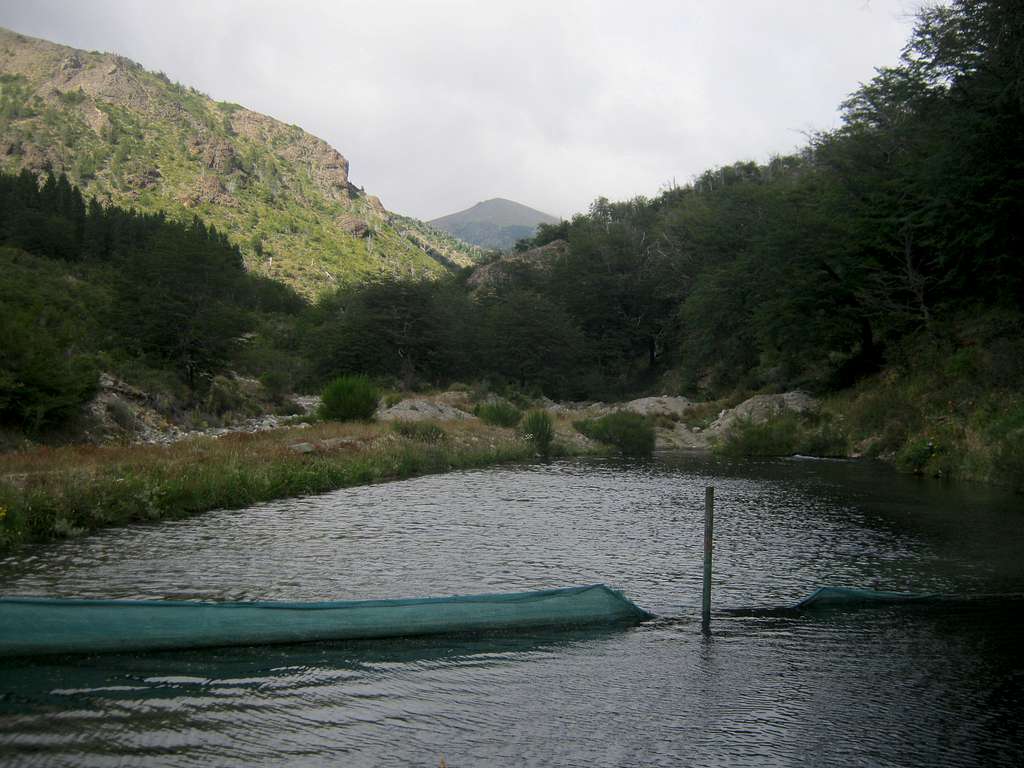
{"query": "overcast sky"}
{"type": "Point", "coordinates": [439, 105]}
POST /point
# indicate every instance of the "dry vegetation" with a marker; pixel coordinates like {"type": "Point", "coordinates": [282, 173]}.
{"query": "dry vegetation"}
{"type": "Point", "coordinates": [48, 493]}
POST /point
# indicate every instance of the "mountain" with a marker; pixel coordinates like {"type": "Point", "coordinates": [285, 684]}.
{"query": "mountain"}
{"type": "Point", "coordinates": [495, 223]}
{"type": "Point", "coordinates": [132, 137]}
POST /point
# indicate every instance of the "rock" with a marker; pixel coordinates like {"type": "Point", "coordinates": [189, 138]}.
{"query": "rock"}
{"type": "Point", "coordinates": [216, 154]}
{"type": "Point", "coordinates": [328, 169]}
{"type": "Point", "coordinates": [308, 403]}
{"type": "Point", "coordinates": [659, 406]}
{"type": "Point", "coordinates": [761, 408]}
{"type": "Point", "coordinates": [208, 189]}
{"type": "Point", "coordinates": [422, 410]}
{"type": "Point", "coordinates": [40, 159]}
{"type": "Point", "coordinates": [497, 272]}
{"type": "Point", "coordinates": [456, 398]}
{"type": "Point", "coordinates": [682, 437]}
{"type": "Point", "coordinates": [337, 442]}
{"type": "Point", "coordinates": [302, 447]}
{"type": "Point", "coordinates": [71, 64]}
{"type": "Point", "coordinates": [354, 226]}
{"type": "Point", "coordinates": [144, 179]}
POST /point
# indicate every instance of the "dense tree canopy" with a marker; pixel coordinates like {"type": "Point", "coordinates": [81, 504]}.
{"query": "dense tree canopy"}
{"type": "Point", "coordinates": [810, 270]}
{"type": "Point", "coordinates": [175, 296]}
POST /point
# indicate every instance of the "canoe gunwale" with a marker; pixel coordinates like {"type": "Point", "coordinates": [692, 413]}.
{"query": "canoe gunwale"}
{"type": "Point", "coordinates": [497, 597]}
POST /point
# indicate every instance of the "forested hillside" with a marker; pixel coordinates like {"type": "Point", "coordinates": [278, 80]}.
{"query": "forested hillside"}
{"type": "Point", "coordinates": [880, 267]}
{"type": "Point", "coordinates": [85, 287]}
{"type": "Point", "coordinates": [133, 138]}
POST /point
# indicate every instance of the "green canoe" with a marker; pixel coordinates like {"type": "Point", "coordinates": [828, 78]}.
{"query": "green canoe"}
{"type": "Point", "coordinates": [35, 626]}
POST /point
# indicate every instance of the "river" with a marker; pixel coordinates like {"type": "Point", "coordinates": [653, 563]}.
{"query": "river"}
{"type": "Point", "coordinates": [894, 686]}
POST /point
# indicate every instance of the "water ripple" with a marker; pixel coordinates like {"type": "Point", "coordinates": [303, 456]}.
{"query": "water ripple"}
{"type": "Point", "coordinates": [881, 687]}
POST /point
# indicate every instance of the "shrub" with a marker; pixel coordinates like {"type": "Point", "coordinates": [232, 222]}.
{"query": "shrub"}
{"type": "Point", "coordinates": [630, 432]}
{"type": "Point", "coordinates": [43, 382]}
{"type": "Point", "coordinates": [538, 428]}
{"type": "Point", "coordinates": [915, 455]}
{"type": "Point", "coordinates": [421, 431]}
{"type": "Point", "coordinates": [776, 437]}
{"type": "Point", "coordinates": [224, 396]}
{"type": "Point", "coordinates": [349, 398]}
{"type": "Point", "coordinates": [499, 413]}
{"type": "Point", "coordinates": [826, 440]}
{"type": "Point", "coordinates": [122, 414]}
{"type": "Point", "coordinates": [1009, 460]}
{"type": "Point", "coordinates": [276, 384]}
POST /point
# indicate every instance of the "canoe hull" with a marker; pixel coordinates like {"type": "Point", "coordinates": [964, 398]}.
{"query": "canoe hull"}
{"type": "Point", "coordinates": [39, 626]}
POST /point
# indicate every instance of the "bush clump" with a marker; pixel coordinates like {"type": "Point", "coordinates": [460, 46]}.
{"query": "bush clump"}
{"type": "Point", "coordinates": [349, 398]}
{"type": "Point", "coordinates": [538, 428]}
{"type": "Point", "coordinates": [630, 432]}
{"type": "Point", "coordinates": [915, 455]}
{"type": "Point", "coordinates": [1009, 460]}
{"type": "Point", "coordinates": [499, 413]}
{"type": "Point", "coordinates": [776, 437]}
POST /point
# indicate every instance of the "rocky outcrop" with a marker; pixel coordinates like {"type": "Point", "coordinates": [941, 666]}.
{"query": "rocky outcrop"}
{"type": "Point", "coordinates": [40, 159]}
{"type": "Point", "coordinates": [214, 153]}
{"type": "Point", "coordinates": [326, 166]}
{"type": "Point", "coordinates": [670, 407]}
{"type": "Point", "coordinates": [147, 178]}
{"type": "Point", "coordinates": [208, 189]}
{"type": "Point", "coordinates": [536, 259]}
{"type": "Point", "coordinates": [761, 408]}
{"type": "Point", "coordinates": [354, 226]}
{"type": "Point", "coordinates": [672, 431]}
{"type": "Point", "coordinates": [417, 409]}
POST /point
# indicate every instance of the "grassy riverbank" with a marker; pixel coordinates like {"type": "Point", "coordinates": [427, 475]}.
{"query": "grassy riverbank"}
{"type": "Point", "coordinates": [50, 493]}
{"type": "Point", "coordinates": [932, 421]}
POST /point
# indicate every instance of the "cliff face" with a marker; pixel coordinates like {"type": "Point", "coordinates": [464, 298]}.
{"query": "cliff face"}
{"type": "Point", "coordinates": [130, 136]}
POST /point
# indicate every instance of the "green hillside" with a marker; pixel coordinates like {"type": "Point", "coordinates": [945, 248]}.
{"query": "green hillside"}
{"type": "Point", "coordinates": [132, 137]}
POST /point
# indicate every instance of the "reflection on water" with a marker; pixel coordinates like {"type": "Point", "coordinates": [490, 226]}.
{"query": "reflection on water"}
{"type": "Point", "coordinates": [890, 686]}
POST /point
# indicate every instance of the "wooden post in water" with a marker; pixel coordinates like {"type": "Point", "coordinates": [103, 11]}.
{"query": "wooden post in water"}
{"type": "Point", "coordinates": [709, 527]}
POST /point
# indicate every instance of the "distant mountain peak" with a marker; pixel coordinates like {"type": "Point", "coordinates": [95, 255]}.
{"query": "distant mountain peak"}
{"type": "Point", "coordinates": [494, 223]}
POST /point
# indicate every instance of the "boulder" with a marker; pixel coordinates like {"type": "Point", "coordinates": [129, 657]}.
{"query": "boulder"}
{"type": "Point", "coordinates": [673, 407]}
{"type": "Point", "coordinates": [422, 410]}
{"type": "Point", "coordinates": [354, 226]}
{"type": "Point", "coordinates": [761, 408]}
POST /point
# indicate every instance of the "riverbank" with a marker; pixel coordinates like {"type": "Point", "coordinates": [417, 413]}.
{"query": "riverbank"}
{"type": "Point", "coordinates": [50, 493]}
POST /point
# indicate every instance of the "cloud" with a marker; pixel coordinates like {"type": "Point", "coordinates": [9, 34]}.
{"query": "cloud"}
{"type": "Point", "coordinates": [439, 105]}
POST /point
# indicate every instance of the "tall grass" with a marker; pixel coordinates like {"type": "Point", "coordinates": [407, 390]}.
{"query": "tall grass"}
{"type": "Point", "coordinates": [539, 431]}
{"type": "Point", "coordinates": [421, 431]}
{"type": "Point", "coordinates": [499, 413]}
{"type": "Point", "coordinates": [52, 493]}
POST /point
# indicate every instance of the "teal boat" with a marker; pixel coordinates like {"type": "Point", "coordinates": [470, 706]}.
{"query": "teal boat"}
{"type": "Point", "coordinates": [36, 626]}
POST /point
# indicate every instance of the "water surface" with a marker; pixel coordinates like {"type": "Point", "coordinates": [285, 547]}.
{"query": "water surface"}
{"type": "Point", "coordinates": [892, 686]}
